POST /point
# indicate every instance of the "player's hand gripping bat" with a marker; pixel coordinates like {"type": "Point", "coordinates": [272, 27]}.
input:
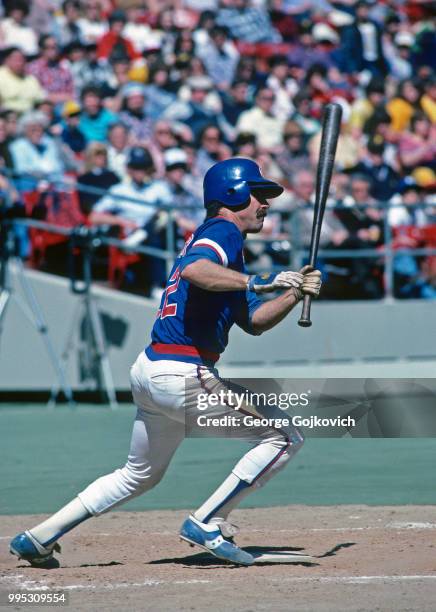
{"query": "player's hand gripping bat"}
{"type": "Point", "coordinates": [329, 139]}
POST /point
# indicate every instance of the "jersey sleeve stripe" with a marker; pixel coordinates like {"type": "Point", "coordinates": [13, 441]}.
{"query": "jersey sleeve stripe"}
{"type": "Point", "coordinates": [207, 242]}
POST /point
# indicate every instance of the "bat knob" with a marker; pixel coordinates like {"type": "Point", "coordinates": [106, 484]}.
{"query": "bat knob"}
{"type": "Point", "coordinates": [304, 322]}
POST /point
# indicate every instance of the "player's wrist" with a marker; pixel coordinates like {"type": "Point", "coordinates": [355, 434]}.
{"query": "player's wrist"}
{"type": "Point", "coordinates": [297, 294]}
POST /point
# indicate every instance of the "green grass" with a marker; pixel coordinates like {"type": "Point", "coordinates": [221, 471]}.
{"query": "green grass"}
{"type": "Point", "coordinates": [47, 456]}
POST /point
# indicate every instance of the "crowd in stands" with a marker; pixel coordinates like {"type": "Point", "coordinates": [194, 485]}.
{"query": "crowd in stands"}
{"type": "Point", "coordinates": [127, 103]}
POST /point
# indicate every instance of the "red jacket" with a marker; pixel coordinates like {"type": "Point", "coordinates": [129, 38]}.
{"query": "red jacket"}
{"type": "Point", "coordinates": [109, 40]}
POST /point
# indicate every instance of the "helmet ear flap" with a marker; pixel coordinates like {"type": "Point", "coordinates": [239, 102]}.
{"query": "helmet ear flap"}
{"type": "Point", "coordinates": [237, 193]}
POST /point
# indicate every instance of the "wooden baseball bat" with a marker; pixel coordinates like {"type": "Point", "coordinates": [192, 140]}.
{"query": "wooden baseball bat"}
{"type": "Point", "coordinates": [331, 126]}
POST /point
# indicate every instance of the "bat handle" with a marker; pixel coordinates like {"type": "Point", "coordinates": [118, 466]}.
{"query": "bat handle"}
{"type": "Point", "coordinates": [304, 320]}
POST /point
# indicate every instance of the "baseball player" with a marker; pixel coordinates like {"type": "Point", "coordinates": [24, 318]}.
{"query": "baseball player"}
{"type": "Point", "coordinates": [207, 292]}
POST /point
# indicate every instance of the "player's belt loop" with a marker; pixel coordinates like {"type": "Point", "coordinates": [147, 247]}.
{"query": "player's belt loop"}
{"type": "Point", "coordinates": [183, 349]}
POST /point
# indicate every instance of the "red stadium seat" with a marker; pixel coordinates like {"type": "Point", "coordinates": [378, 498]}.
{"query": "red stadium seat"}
{"type": "Point", "coordinates": [57, 208]}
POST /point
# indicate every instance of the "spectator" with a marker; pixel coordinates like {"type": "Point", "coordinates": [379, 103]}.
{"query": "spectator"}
{"type": "Point", "coordinates": [261, 122]}
{"type": "Point", "coordinates": [47, 107]}
{"type": "Point", "coordinates": [19, 91]}
{"type": "Point", "coordinates": [91, 71]}
{"type": "Point", "coordinates": [408, 206]}
{"type": "Point", "coordinates": [308, 50]}
{"type": "Point", "coordinates": [361, 44]}
{"type": "Point", "coordinates": [303, 114]}
{"type": "Point", "coordinates": [164, 137]}
{"type": "Point", "coordinates": [181, 192]}
{"type": "Point", "coordinates": [211, 150]}
{"type": "Point", "coordinates": [5, 142]}
{"type": "Point", "coordinates": [301, 206]}
{"type": "Point", "coordinates": [71, 134]}
{"type": "Point", "coordinates": [282, 85]}
{"type": "Point", "coordinates": [97, 175]}
{"type": "Point", "coordinates": [13, 31]}
{"type": "Point", "coordinates": [364, 224]}
{"type": "Point", "coordinates": [363, 108]}
{"type": "Point", "coordinates": [113, 42]}
{"type": "Point", "coordinates": [133, 205]}
{"type": "Point", "coordinates": [118, 149]}
{"type": "Point", "coordinates": [121, 66]}
{"type": "Point", "coordinates": [247, 72]}
{"type": "Point", "coordinates": [246, 22]}
{"type": "Point", "coordinates": [66, 26]}
{"type": "Point", "coordinates": [292, 155]}
{"type": "Point", "coordinates": [95, 120]}
{"type": "Point", "coordinates": [201, 34]}
{"type": "Point", "coordinates": [142, 192]}
{"type": "Point", "coordinates": [245, 145]}
{"type": "Point", "coordinates": [399, 55]}
{"type": "Point", "coordinates": [52, 73]}
{"type": "Point", "coordinates": [235, 102]}
{"type": "Point", "coordinates": [349, 149]}
{"type": "Point", "coordinates": [158, 91]}
{"type": "Point", "coordinates": [35, 155]}
{"type": "Point", "coordinates": [11, 123]}
{"type": "Point", "coordinates": [402, 107]}
{"type": "Point", "coordinates": [92, 25]}
{"type": "Point", "coordinates": [405, 217]}
{"type": "Point", "coordinates": [220, 58]}
{"type": "Point", "coordinates": [135, 30]}
{"type": "Point", "coordinates": [133, 113]}
{"type": "Point", "coordinates": [428, 100]}
{"type": "Point", "coordinates": [384, 179]}
{"type": "Point", "coordinates": [195, 113]}
{"type": "Point", "coordinates": [417, 147]}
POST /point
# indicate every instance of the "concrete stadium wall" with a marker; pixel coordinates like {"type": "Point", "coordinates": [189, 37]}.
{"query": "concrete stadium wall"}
{"type": "Point", "coordinates": [347, 339]}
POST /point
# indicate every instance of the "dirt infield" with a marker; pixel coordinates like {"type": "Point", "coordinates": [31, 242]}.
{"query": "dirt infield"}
{"type": "Point", "coordinates": [368, 558]}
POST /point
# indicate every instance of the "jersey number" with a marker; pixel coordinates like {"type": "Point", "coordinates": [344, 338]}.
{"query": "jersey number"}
{"type": "Point", "coordinates": [170, 310]}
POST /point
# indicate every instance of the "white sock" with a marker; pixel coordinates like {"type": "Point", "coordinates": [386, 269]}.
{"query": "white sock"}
{"type": "Point", "coordinates": [224, 499]}
{"type": "Point", "coordinates": [64, 520]}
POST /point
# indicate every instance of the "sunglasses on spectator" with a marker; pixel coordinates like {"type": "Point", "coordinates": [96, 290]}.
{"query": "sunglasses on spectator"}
{"type": "Point", "coordinates": [267, 98]}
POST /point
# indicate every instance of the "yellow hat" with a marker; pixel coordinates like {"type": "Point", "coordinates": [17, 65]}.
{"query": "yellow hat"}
{"type": "Point", "coordinates": [424, 176]}
{"type": "Point", "coordinates": [71, 108]}
{"type": "Point", "coordinates": [139, 73]}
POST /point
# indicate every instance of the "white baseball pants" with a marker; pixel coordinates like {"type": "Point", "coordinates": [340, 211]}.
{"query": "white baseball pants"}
{"type": "Point", "coordinates": [159, 391]}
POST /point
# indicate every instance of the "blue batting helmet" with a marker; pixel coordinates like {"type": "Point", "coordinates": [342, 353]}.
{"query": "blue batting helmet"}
{"type": "Point", "coordinates": [230, 182]}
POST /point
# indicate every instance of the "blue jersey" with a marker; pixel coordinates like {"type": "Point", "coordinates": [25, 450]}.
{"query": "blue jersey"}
{"type": "Point", "coordinates": [193, 324]}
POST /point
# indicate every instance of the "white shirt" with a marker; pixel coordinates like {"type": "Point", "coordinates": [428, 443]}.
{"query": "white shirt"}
{"type": "Point", "coordinates": [267, 129]}
{"type": "Point", "coordinates": [141, 206]}
{"type": "Point", "coordinates": [91, 31]}
{"type": "Point", "coordinates": [117, 161]}
{"type": "Point", "coordinates": [369, 41]}
{"type": "Point", "coordinates": [15, 35]}
{"type": "Point", "coordinates": [138, 34]}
